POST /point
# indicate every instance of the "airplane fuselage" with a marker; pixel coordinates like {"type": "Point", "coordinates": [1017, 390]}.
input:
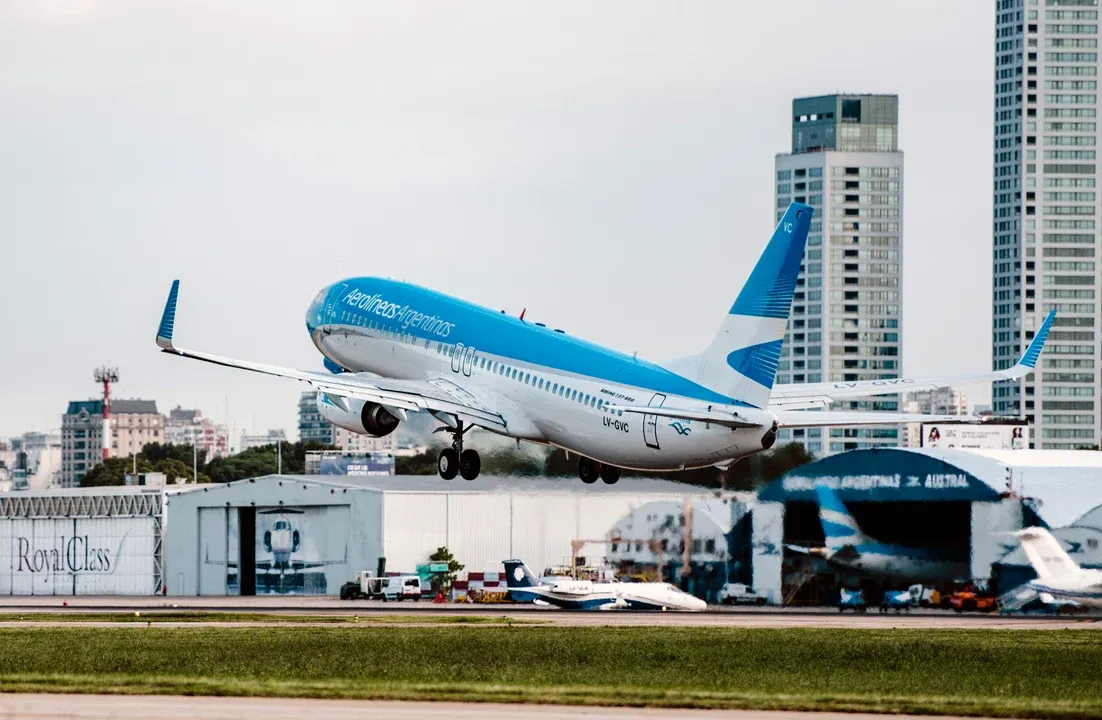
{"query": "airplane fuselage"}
{"type": "Point", "coordinates": [586, 595]}
{"type": "Point", "coordinates": [548, 386]}
{"type": "Point", "coordinates": [902, 563]}
{"type": "Point", "coordinates": [1084, 587]}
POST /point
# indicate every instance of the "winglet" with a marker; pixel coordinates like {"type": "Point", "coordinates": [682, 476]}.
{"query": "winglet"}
{"type": "Point", "coordinates": [1033, 352]}
{"type": "Point", "coordinates": [168, 318]}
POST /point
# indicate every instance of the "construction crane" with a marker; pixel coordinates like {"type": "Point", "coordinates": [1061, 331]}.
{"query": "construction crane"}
{"type": "Point", "coordinates": [106, 376]}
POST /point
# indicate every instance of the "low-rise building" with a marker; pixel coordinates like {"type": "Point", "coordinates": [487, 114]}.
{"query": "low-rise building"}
{"type": "Point", "coordinates": [189, 427]}
{"type": "Point", "coordinates": [254, 441]}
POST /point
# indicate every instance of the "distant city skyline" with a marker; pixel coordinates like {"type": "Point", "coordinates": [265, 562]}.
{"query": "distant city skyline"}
{"type": "Point", "coordinates": [564, 166]}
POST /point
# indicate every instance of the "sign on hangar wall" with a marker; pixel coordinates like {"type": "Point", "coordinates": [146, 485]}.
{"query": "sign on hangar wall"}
{"type": "Point", "coordinates": [78, 556]}
{"type": "Point", "coordinates": [881, 476]}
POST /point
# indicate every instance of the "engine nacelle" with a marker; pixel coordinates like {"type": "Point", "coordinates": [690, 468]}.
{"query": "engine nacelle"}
{"type": "Point", "coordinates": [365, 418]}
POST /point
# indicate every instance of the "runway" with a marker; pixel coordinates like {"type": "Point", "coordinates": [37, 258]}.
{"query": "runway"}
{"type": "Point", "coordinates": [424, 613]}
{"type": "Point", "coordinates": [121, 707]}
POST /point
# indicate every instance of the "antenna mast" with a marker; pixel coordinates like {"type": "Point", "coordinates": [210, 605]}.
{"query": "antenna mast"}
{"type": "Point", "coordinates": [106, 376]}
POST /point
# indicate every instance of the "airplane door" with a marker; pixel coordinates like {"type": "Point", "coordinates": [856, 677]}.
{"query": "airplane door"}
{"type": "Point", "coordinates": [457, 358]}
{"type": "Point", "coordinates": [330, 315]}
{"type": "Point", "coordinates": [650, 422]}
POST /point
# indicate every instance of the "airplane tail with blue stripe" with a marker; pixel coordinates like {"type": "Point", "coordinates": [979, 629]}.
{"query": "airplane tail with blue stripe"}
{"type": "Point", "coordinates": [839, 526]}
{"type": "Point", "coordinates": [517, 575]}
{"type": "Point", "coordinates": [741, 363]}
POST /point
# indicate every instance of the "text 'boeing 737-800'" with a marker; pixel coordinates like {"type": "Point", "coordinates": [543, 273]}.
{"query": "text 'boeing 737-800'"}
{"type": "Point", "coordinates": [392, 348]}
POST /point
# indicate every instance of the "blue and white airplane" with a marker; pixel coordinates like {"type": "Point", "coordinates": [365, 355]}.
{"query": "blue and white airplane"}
{"type": "Point", "coordinates": [847, 546]}
{"type": "Point", "coordinates": [587, 595]}
{"type": "Point", "coordinates": [392, 348]}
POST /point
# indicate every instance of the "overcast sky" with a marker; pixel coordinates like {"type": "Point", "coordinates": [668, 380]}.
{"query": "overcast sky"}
{"type": "Point", "coordinates": [606, 165]}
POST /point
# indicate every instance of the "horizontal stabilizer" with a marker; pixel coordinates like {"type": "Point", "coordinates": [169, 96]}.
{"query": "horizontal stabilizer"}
{"type": "Point", "coordinates": [819, 418]}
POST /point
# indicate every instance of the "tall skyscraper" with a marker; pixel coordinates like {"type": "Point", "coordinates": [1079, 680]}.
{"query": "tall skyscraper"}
{"type": "Point", "coordinates": [846, 315]}
{"type": "Point", "coordinates": [1046, 209]}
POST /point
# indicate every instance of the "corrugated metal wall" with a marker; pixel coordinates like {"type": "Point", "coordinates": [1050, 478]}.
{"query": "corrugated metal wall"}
{"type": "Point", "coordinates": [78, 556]}
{"type": "Point", "coordinates": [482, 529]}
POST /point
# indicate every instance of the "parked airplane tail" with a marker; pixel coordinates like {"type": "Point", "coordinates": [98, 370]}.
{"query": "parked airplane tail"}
{"type": "Point", "coordinates": [517, 575]}
{"type": "Point", "coordinates": [741, 362]}
{"type": "Point", "coordinates": [1045, 553]}
{"type": "Point", "coordinates": [839, 526]}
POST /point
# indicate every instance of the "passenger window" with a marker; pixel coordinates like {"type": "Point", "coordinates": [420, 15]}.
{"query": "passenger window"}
{"type": "Point", "coordinates": [555, 388]}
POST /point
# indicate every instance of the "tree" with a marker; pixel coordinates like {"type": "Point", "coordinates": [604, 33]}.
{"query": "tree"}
{"type": "Point", "coordinates": [444, 582]}
{"type": "Point", "coordinates": [156, 452]}
{"type": "Point", "coordinates": [511, 462]}
{"type": "Point", "coordinates": [113, 471]}
{"type": "Point", "coordinates": [419, 464]}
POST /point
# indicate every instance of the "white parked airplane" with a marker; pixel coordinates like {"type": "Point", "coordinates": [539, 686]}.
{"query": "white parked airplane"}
{"type": "Point", "coordinates": [394, 348]}
{"type": "Point", "coordinates": [1059, 578]}
{"type": "Point", "coordinates": [587, 595]}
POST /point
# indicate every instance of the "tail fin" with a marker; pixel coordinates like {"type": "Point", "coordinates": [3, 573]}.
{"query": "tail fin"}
{"type": "Point", "coordinates": [1045, 554]}
{"type": "Point", "coordinates": [839, 527]}
{"type": "Point", "coordinates": [741, 362]}
{"type": "Point", "coordinates": [517, 575]}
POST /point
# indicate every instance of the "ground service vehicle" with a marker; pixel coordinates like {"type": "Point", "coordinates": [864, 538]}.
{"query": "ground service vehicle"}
{"type": "Point", "coordinates": [971, 600]}
{"type": "Point", "coordinates": [402, 587]}
{"type": "Point", "coordinates": [365, 587]}
{"type": "Point", "coordinates": [851, 600]}
{"type": "Point", "coordinates": [897, 600]}
{"type": "Point", "coordinates": [739, 594]}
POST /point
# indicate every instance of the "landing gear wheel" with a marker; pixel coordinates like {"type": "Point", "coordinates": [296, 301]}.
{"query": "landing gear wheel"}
{"type": "Point", "coordinates": [448, 463]}
{"type": "Point", "coordinates": [610, 474]}
{"type": "Point", "coordinates": [588, 470]}
{"type": "Point", "coordinates": [469, 464]}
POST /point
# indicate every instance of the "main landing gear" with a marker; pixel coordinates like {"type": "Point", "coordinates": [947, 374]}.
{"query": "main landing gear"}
{"type": "Point", "coordinates": [590, 470]}
{"type": "Point", "coordinates": [455, 460]}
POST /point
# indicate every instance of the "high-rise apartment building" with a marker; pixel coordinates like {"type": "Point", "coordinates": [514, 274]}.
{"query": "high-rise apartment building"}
{"type": "Point", "coordinates": [846, 315]}
{"type": "Point", "coordinates": [1045, 215]}
{"type": "Point", "coordinates": [134, 424]}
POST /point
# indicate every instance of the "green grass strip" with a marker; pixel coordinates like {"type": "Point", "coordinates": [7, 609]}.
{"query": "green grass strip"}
{"type": "Point", "coordinates": [1021, 673]}
{"type": "Point", "coordinates": [274, 618]}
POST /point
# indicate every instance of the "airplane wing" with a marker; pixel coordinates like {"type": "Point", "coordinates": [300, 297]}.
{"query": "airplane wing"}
{"type": "Point", "coordinates": [436, 395]}
{"type": "Point", "coordinates": [812, 395]}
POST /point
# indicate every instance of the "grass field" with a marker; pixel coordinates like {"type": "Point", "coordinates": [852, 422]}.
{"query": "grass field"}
{"type": "Point", "coordinates": [1003, 673]}
{"type": "Point", "coordinates": [185, 616]}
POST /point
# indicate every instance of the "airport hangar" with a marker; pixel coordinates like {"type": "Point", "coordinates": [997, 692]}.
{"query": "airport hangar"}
{"type": "Point", "coordinates": [930, 497]}
{"type": "Point", "coordinates": [329, 528]}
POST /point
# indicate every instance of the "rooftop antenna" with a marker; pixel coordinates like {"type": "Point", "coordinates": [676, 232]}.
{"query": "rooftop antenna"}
{"type": "Point", "coordinates": [106, 376]}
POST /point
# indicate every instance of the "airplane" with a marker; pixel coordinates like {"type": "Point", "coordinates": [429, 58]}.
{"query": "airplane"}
{"type": "Point", "coordinates": [281, 540]}
{"type": "Point", "coordinates": [587, 595]}
{"type": "Point", "coordinates": [391, 348]}
{"type": "Point", "coordinates": [1060, 581]}
{"type": "Point", "coordinates": [848, 547]}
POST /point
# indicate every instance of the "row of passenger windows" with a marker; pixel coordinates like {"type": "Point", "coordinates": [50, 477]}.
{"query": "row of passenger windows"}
{"type": "Point", "coordinates": [493, 366]}
{"type": "Point", "coordinates": [533, 380]}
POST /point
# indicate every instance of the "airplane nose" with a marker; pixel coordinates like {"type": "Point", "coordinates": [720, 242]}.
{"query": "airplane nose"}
{"type": "Point", "coordinates": [314, 311]}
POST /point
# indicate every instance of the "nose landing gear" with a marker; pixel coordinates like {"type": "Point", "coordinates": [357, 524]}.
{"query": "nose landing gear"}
{"type": "Point", "coordinates": [455, 460]}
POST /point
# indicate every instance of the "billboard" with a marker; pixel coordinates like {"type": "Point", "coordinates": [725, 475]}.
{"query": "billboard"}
{"type": "Point", "coordinates": [78, 556]}
{"type": "Point", "coordinates": [992, 437]}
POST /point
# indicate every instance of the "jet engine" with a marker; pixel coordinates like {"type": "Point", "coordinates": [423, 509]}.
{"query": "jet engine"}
{"type": "Point", "coordinates": [770, 437]}
{"type": "Point", "coordinates": [365, 418]}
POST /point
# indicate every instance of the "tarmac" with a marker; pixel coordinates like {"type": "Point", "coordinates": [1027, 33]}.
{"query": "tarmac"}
{"type": "Point", "coordinates": [420, 613]}
{"type": "Point", "coordinates": [123, 707]}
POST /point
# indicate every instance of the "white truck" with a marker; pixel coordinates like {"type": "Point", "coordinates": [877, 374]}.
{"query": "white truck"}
{"type": "Point", "coordinates": [369, 587]}
{"type": "Point", "coordinates": [739, 594]}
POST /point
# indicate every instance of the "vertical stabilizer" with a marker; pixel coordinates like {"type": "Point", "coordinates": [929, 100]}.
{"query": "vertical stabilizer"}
{"type": "Point", "coordinates": [741, 363]}
{"type": "Point", "coordinates": [1045, 554]}
{"type": "Point", "coordinates": [839, 526]}
{"type": "Point", "coordinates": [517, 575]}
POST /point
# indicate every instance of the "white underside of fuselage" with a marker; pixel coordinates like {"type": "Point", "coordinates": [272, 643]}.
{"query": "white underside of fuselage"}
{"type": "Point", "coordinates": [535, 413]}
